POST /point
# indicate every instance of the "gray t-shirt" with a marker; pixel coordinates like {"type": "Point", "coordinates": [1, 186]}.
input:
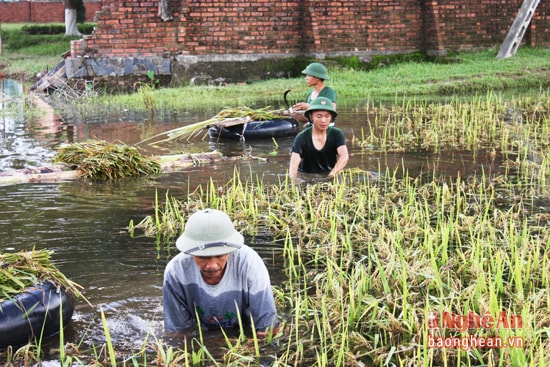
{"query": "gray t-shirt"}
{"type": "Point", "coordinates": [245, 288]}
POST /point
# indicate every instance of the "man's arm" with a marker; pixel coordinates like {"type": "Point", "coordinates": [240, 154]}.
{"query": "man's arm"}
{"type": "Point", "coordinates": [177, 318]}
{"type": "Point", "coordinates": [341, 162]}
{"type": "Point", "coordinates": [295, 160]}
{"type": "Point", "coordinates": [261, 303]}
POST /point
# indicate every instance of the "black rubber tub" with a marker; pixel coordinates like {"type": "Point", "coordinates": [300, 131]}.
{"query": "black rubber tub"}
{"type": "Point", "coordinates": [256, 130]}
{"type": "Point", "coordinates": [36, 313]}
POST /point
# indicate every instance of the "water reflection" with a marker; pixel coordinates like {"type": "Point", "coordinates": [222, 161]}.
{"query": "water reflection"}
{"type": "Point", "coordinates": [84, 223]}
{"type": "Point", "coordinates": [18, 149]}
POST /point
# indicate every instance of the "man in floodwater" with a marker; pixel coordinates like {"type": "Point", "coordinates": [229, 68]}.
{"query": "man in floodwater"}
{"type": "Point", "coordinates": [320, 148]}
{"type": "Point", "coordinates": [215, 278]}
{"type": "Point", "coordinates": [316, 74]}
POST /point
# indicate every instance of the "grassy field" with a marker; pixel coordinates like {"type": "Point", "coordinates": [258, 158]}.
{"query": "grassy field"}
{"type": "Point", "coordinates": [25, 56]}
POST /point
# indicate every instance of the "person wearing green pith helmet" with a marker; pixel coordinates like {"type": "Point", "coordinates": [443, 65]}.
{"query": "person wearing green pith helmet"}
{"type": "Point", "coordinates": [316, 74]}
{"type": "Point", "coordinates": [216, 280]}
{"type": "Point", "coordinates": [320, 148]}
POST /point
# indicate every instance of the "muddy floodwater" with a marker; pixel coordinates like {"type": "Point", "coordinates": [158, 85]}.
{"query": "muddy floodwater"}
{"type": "Point", "coordinates": [85, 223]}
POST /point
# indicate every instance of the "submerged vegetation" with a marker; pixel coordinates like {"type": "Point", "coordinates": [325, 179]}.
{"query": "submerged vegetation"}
{"type": "Point", "coordinates": [370, 261]}
{"type": "Point", "coordinates": [388, 269]}
{"type": "Point", "coordinates": [487, 123]}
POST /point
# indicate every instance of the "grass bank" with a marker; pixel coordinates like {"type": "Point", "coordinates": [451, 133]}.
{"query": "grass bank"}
{"type": "Point", "coordinates": [472, 73]}
{"type": "Point", "coordinates": [464, 74]}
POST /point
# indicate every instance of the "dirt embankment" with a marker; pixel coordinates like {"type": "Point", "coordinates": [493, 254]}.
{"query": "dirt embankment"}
{"type": "Point", "coordinates": [21, 76]}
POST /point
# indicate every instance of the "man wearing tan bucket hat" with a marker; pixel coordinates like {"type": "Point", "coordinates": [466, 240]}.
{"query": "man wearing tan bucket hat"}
{"type": "Point", "coordinates": [216, 277]}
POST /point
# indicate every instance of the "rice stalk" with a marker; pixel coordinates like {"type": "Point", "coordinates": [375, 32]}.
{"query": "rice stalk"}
{"type": "Point", "coordinates": [24, 269]}
{"type": "Point", "coordinates": [368, 261]}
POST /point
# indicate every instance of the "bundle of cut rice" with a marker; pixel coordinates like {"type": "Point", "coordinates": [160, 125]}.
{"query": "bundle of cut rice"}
{"type": "Point", "coordinates": [24, 269]}
{"type": "Point", "coordinates": [226, 117]}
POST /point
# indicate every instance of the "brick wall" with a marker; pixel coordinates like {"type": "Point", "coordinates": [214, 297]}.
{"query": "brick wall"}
{"type": "Point", "coordinates": [41, 12]}
{"type": "Point", "coordinates": [205, 27]}
{"type": "Point", "coordinates": [202, 27]}
{"type": "Point", "coordinates": [478, 24]}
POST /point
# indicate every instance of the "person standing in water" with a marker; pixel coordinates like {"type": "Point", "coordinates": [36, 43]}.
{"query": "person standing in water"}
{"type": "Point", "coordinates": [316, 74]}
{"type": "Point", "coordinates": [319, 148]}
{"type": "Point", "coordinates": [216, 280]}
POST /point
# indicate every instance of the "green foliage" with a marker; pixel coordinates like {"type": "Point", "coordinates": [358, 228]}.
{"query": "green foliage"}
{"type": "Point", "coordinates": [36, 29]}
{"type": "Point", "coordinates": [369, 260]}
{"type": "Point", "coordinates": [352, 62]}
{"type": "Point", "coordinates": [14, 41]}
{"type": "Point", "coordinates": [379, 61]}
{"type": "Point", "coordinates": [40, 39]}
{"type": "Point", "coordinates": [54, 28]}
{"type": "Point", "coordinates": [80, 11]}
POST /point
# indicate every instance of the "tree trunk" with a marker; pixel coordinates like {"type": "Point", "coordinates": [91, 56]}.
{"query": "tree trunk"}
{"type": "Point", "coordinates": [70, 19]}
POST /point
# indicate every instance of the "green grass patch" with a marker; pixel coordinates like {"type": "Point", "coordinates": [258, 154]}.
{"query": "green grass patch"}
{"type": "Point", "coordinates": [32, 49]}
{"type": "Point", "coordinates": [476, 73]}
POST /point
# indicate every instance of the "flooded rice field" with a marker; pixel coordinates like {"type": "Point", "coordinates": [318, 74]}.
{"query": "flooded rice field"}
{"type": "Point", "coordinates": [85, 223]}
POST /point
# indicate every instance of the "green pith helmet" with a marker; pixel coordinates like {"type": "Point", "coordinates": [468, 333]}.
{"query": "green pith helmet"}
{"type": "Point", "coordinates": [321, 103]}
{"type": "Point", "coordinates": [209, 232]}
{"type": "Point", "coordinates": [317, 70]}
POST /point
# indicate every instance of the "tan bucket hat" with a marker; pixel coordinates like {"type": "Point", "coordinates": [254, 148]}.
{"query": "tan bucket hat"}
{"type": "Point", "coordinates": [209, 232]}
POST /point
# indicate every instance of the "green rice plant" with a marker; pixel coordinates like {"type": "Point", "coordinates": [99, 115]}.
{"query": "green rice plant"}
{"type": "Point", "coordinates": [380, 272]}
{"type": "Point", "coordinates": [145, 90]}
{"type": "Point", "coordinates": [108, 341]}
{"type": "Point", "coordinates": [168, 219]}
{"type": "Point", "coordinates": [166, 356]}
{"type": "Point", "coordinates": [68, 354]}
{"type": "Point", "coordinates": [368, 260]}
{"type": "Point", "coordinates": [27, 355]}
{"type": "Point", "coordinates": [473, 125]}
